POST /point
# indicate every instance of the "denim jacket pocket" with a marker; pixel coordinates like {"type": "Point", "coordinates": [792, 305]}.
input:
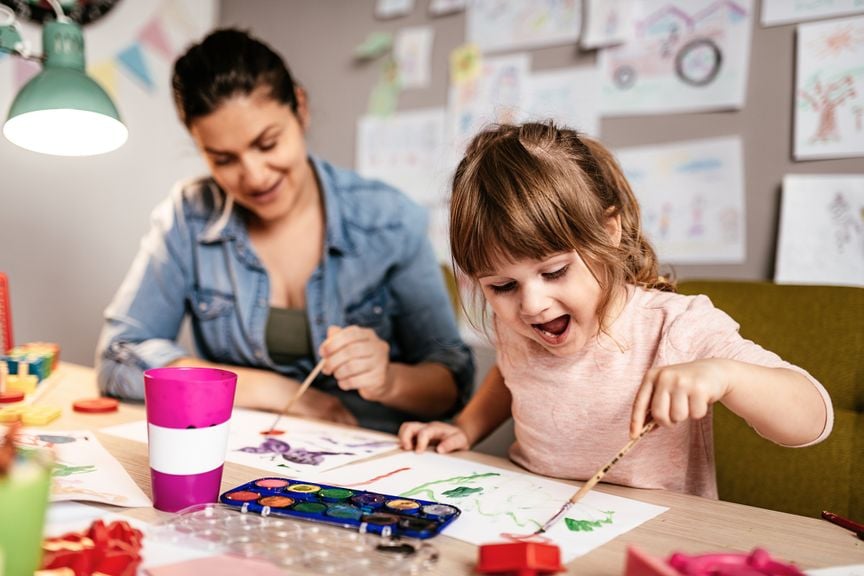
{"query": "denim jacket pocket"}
{"type": "Point", "coordinates": [374, 310]}
{"type": "Point", "coordinates": [212, 314]}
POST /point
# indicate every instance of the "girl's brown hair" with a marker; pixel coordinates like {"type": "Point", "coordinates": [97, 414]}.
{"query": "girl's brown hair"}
{"type": "Point", "coordinates": [533, 190]}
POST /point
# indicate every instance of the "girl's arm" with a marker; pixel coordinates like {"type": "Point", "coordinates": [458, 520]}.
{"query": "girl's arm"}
{"type": "Point", "coordinates": [783, 405]}
{"type": "Point", "coordinates": [487, 410]}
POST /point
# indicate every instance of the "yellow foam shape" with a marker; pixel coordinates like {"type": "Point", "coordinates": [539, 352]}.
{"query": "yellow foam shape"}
{"type": "Point", "coordinates": [29, 415]}
{"type": "Point", "coordinates": [25, 384]}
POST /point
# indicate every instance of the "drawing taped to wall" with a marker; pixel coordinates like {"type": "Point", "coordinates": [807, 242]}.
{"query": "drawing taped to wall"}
{"type": "Point", "coordinates": [682, 56]}
{"type": "Point", "coordinates": [821, 236]}
{"type": "Point", "coordinates": [829, 99]}
{"type": "Point", "coordinates": [495, 501]}
{"type": "Point", "coordinates": [692, 198]}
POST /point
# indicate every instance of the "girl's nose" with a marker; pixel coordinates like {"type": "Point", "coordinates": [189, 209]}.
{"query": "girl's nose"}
{"type": "Point", "coordinates": [254, 171]}
{"type": "Point", "coordinates": [533, 301]}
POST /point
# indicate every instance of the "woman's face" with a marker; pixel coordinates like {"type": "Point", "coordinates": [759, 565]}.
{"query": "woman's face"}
{"type": "Point", "coordinates": [256, 150]}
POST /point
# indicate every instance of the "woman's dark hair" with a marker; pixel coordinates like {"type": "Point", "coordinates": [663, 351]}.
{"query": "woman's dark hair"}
{"type": "Point", "coordinates": [225, 64]}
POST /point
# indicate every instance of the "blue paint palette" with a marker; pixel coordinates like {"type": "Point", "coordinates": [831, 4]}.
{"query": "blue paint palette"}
{"type": "Point", "coordinates": [371, 512]}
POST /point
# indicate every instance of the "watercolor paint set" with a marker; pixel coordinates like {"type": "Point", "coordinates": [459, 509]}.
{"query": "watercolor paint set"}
{"type": "Point", "coordinates": [371, 512]}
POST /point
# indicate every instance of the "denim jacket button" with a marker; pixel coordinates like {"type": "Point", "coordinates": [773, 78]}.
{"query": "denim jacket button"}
{"type": "Point", "coordinates": [259, 354]}
{"type": "Point", "coordinates": [377, 309]}
{"type": "Point", "coordinates": [202, 306]}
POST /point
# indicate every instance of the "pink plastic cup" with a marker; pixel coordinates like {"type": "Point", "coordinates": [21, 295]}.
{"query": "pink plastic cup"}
{"type": "Point", "coordinates": [188, 411]}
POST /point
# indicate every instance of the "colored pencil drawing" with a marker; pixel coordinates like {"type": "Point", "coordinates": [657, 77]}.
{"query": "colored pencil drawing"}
{"type": "Point", "coordinates": [829, 95]}
{"type": "Point", "coordinates": [497, 503]}
{"type": "Point", "coordinates": [681, 56]}
{"type": "Point", "coordinates": [496, 25]}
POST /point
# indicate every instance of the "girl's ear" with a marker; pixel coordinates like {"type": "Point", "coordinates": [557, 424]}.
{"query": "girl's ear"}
{"type": "Point", "coordinates": [613, 226]}
{"type": "Point", "coordinates": [302, 107]}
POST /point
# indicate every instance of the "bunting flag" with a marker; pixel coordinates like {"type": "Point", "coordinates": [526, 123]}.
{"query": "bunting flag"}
{"type": "Point", "coordinates": [153, 36]}
{"type": "Point", "coordinates": [24, 71]}
{"type": "Point", "coordinates": [105, 74]}
{"type": "Point", "coordinates": [132, 59]}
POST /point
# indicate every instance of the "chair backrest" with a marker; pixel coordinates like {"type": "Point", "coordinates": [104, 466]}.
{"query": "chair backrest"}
{"type": "Point", "coordinates": [821, 329]}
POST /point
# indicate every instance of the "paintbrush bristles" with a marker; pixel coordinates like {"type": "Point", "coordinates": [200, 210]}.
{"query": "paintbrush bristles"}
{"type": "Point", "coordinates": [596, 478]}
{"type": "Point", "coordinates": [298, 394]}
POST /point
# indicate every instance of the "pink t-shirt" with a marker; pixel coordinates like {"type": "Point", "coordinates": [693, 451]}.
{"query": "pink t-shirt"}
{"type": "Point", "coordinates": [572, 414]}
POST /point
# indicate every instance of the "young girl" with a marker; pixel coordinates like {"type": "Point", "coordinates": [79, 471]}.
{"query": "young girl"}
{"type": "Point", "coordinates": [591, 340]}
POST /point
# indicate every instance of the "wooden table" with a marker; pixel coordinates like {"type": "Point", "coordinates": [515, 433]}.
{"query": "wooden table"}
{"type": "Point", "coordinates": [691, 525]}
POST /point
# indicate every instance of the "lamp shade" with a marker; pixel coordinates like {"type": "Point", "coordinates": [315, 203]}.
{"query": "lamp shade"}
{"type": "Point", "coordinates": [61, 110]}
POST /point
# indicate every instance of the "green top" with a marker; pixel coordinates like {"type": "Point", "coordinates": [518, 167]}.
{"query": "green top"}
{"type": "Point", "coordinates": [287, 335]}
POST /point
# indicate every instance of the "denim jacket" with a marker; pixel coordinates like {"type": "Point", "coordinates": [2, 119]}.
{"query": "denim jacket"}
{"type": "Point", "coordinates": [378, 270]}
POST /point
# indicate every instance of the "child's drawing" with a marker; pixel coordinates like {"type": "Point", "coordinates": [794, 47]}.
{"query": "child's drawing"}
{"type": "Point", "coordinates": [692, 198]}
{"type": "Point", "coordinates": [305, 448]}
{"type": "Point", "coordinates": [495, 501]}
{"type": "Point", "coordinates": [83, 469]}
{"type": "Point", "coordinates": [821, 237]}
{"type": "Point", "coordinates": [496, 25]}
{"type": "Point", "coordinates": [682, 56]}
{"type": "Point", "coordinates": [830, 89]}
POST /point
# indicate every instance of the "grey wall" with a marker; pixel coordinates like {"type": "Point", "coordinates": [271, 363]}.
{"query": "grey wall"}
{"type": "Point", "coordinates": [317, 38]}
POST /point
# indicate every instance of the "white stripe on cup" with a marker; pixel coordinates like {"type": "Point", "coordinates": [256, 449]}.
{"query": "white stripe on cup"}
{"type": "Point", "coordinates": [187, 451]}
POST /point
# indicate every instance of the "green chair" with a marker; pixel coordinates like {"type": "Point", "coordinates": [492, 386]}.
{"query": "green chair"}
{"type": "Point", "coordinates": [821, 329]}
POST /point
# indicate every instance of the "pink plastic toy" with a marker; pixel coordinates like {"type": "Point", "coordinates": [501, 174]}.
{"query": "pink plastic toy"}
{"type": "Point", "coordinates": [756, 563]}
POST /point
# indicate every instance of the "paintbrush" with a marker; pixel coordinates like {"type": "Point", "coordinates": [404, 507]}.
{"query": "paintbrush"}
{"type": "Point", "coordinates": [297, 394]}
{"type": "Point", "coordinates": [594, 479]}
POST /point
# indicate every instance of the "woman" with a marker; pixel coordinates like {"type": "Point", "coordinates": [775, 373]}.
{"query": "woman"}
{"type": "Point", "coordinates": [282, 259]}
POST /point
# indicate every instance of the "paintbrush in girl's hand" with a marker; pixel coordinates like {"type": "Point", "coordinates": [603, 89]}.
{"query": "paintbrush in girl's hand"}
{"type": "Point", "coordinates": [300, 391]}
{"type": "Point", "coordinates": [594, 479]}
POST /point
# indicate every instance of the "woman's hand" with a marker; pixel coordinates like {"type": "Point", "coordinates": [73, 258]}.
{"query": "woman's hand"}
{"type": "Point", "coordinates": [419, 435]}
{"type": "Point", "coordinates": [359, 360]}
{"type": "Point", "coordinates": [672, 394]}
{"type": "Point", "coordinates": [317, 404]}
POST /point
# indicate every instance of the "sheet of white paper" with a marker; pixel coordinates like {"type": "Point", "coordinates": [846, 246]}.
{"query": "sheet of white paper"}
{"type": "Point", "coordinates": [499, 26]}
{"type": "Point", "coordinates": [65, 517]}
{"type": "Point", "coordinates": [408, 150]}
{"type": "Point", "coordinates": [607, 22]}
{"type": "Point", "coordinates": [776, 12]}
{"type": "Point", "coordinates": [393, 8]}
{"type": "Point", "coordinates": [683, 56]}
{"type": "Point", "coordinates": [441, 7]}
{"type": "Point", "coordinates": [569, 96]}
{"type": "Point", "coordinates": [495, 501]}
{"type": "Point", "coordinates": [412, 50]}
{"type": "Point", "coordinates": [496, 95]}
{"type": "Point", "coordinates": [84, 469]}
{"type": "Point", "coordinates": [829, 95]}
{"type": "Point", "coordinates": [304, 449]}
{"type": "Point", "coordinates": [821, 236]}
{"type": "Point", "coordinates": [692, 198]}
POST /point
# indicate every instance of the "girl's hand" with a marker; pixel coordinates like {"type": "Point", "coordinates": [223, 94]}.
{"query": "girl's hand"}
{"type": "Point", "coordinates": [359, 360]}
{"type": "Point", "coordinates": [672, 394]}
{"type": "Point", "coordinates": [419, 435]}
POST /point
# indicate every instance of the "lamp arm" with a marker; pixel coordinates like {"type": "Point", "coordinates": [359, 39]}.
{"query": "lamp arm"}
{"type": "Point", "coordinates": [10, 36]}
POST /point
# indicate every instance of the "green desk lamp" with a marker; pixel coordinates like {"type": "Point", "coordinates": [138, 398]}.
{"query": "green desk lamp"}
{"type": "Point", "coordinates": [61, 110]}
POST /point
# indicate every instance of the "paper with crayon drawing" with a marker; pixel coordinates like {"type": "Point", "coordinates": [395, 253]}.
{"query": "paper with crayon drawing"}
{"type": "Point", "coordinates": [83, 468]}
{"type": "Point", "coordinates": [304, 448]}
{"type": "Point", "coordinates": [495, 501]}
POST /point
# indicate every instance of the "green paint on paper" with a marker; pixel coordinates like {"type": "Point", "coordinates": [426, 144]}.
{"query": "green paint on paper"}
{"type": "Point", "coordinates": [461, 492]}
{"type": "Point", "coordinates": [425, 490]}
{"type": "Point", "coordinates": [61, 469]}
{"type": "Point", "coordinates": [588, 525]}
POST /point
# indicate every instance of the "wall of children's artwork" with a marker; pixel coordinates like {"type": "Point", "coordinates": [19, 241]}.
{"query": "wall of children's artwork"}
{"type": "Point", "coordinates": [776, 85]}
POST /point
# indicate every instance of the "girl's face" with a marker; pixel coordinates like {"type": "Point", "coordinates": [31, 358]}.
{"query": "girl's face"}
{"type": "Point", "coordinates": [256, 150]}
{"type": "Point", "coordinates": [552, 302]}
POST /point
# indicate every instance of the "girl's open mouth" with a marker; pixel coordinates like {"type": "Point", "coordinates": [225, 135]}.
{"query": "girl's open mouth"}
{"type": "Point", "coordinates": [555, 331]}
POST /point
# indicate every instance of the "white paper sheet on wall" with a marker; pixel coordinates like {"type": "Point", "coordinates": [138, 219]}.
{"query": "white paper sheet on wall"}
{"type": "Point", "coordinates": [412, 50]}
{"type": "Point", "coordinates": [607, 22]}
{"type": "Point", "coordinates": [499, 26]}
{"type": "Point", "coordinates": [775, 12]}
{"type": "Point", "coordinates": [569, 96]}
{"type": "Point", "coordinates": [829, 95]}
{"type": "Point", "coordinates": [821, 235]}
{"type": "Point", "coordinates": [683, 56]}
{"type": "Point", "coordinates": [692, 198]}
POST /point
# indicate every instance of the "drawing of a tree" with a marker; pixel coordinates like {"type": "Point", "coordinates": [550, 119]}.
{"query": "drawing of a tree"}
{"type": "Point", "coordinates": [825, 100]}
